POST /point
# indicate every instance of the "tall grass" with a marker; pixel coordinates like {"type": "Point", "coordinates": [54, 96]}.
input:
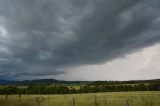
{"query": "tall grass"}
{"type": "Point", "coordinates": [91, 99]}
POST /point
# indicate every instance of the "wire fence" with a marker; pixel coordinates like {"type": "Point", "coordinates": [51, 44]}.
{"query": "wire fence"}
{"type": "Point", "coordinates": [77, 100]}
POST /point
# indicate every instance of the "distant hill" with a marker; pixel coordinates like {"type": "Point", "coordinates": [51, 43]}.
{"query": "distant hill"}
{"type": "Point", "coordinates": [37, 81]}
{"type": "Point", "coordinates": [2, 82]}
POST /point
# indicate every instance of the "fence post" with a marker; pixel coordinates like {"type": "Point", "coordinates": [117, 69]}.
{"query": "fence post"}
{"type": "Point", "coordinates": [95, 100]}
{"type": "Point", "coordinates": [37, 101]}
{"type": "Point", "coordinates": [6, 99]}
{"type": "Point", "coordinates": [105, 100]}
{"type": "Point", "coordinates": [73, 101]}
{"type": "Point", "coordinates": [126, 103]}
{"type": "Point", "coordinates": [19, 99]}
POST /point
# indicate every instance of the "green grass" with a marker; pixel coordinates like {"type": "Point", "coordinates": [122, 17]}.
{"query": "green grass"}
{"type": "Point", "coordinates": [91, 99]}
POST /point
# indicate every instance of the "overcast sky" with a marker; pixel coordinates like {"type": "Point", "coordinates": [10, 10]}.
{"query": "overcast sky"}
{"type": "Point", "coordinates": [80, 39]}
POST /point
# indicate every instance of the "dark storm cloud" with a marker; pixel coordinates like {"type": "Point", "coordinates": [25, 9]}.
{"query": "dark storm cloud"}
{"type": "Point", "coordinates": [40, 37]}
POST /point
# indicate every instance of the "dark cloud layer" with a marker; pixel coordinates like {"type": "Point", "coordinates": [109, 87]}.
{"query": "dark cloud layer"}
{"type": "Point", "coordinates": [39, 37]}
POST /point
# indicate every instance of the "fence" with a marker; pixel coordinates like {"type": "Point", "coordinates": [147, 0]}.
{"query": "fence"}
{"type": "Point", "coordinates": [37, 101]}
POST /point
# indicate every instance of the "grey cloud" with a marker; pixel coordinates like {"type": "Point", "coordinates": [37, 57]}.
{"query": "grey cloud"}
{"type": "Point", "coordinates": [45, 36]}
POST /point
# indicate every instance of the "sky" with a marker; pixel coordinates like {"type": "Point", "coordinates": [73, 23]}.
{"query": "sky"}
{"type": "Point", "coordinates": [80, 39]}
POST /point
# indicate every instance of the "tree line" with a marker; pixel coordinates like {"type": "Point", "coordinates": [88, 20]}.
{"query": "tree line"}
{"type": "Point", "coordinates": [84, 88]}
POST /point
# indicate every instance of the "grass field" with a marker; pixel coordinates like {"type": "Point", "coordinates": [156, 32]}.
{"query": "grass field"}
{"type": "Point", "coordinates": [91, 99]}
